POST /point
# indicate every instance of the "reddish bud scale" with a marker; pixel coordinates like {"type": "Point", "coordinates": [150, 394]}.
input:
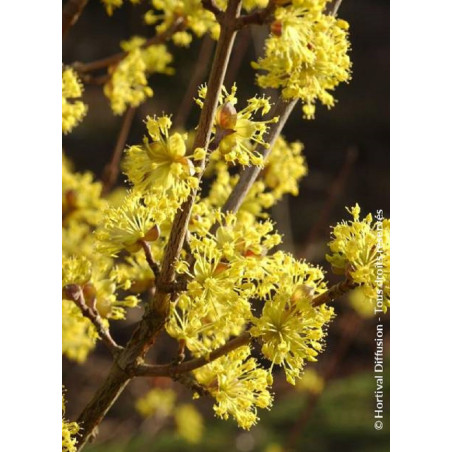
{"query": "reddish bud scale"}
{"type": "Point", "coordinates": [276, 28]}
{"type": "Point", "coordinates": [153, 234]}
{"type": "Point", "coordinates": [220, 268]}
{"type": "Point", "coordinates": [89, 293]}
{"type": "Point", "coordinates": [71, 198]}
{"type": "Point", "coordinates": [227, 116]}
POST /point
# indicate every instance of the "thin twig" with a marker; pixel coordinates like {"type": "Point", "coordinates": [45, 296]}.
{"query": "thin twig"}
{"type": "Point", "coordinates": [150, 258]}
{"type": "Point", "coordinates": [259, 17]}
{"type": "Point", "coordinates": [75, 293]}
{"type": "Point", "coordinates": [156, 313]}
{"type": "Point", "coordinates": [239, 52]}
{"type": "Point", "coordinates": [334, 292]}
{"type": "Point", "coordinates": [333, 7]}
{"type": "Point", "coordinates": [348, 333]}
{"type": "Point", "coordinates": [335, 190]}
{"type": "Point", "coordinates": [202, 138]}
{"type": "Point", "coordinates": [200, 70]}
{"type": "Point", "coordinates": [250, 173]}
{"type": "Point", "coordinates": [71, 12]}
{"type": "Point", "coordinates": [211, 5]}
{"type": "Point", "coordinates": [111, 170]}
{"type": "Point", "coordinates": [82, 68]}
{"type": "Point", "coordinates": [168, 370]}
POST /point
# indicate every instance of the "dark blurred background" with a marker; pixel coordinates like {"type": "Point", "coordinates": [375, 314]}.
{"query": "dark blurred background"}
{"type": "Point", "coordinates": [347, 152]}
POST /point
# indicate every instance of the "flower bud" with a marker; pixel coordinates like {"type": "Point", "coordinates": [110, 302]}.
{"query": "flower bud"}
{"type": "Point", "coordinates": [89, 293]}
{"type": "Point", "coordinates": [227, 116]}
{"type": "Point", "coordinates": [153, 234]}
{"type": "Point", "coordinates": [71, 198]}
{"type": "Point", "coordinates": [276, 28]}
{"type": "Point", "coordinates": [71, 291]}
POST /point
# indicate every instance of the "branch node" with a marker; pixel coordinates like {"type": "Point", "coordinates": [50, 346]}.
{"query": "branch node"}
{"type": "Point", "coordinates": [75, 293]}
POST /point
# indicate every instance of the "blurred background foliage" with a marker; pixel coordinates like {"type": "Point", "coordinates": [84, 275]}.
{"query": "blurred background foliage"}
{"type": "Point", "coordinates": [347, 152]}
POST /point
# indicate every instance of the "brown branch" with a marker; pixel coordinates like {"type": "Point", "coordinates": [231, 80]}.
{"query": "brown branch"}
{"type": "Point", "coordinates": [82, 68]}
{"type": "Point", "coordinates": [211, 5]}
{"type": "Point", "coordinates": [334, 292]}
{"type": "Point", "coordinates": [238, 54]}
{"type": "Point", "coordinates": [202, 138]}
{"type": "Point", "coordinates": [156, 313]}
{"type": "Point", "coordinates": [250, 173]}
{"type": "Point", "coordinates": [259, 17]}
{"type": "Point", "coordinates": [333, 7]}
{"type": "Point", "coordinates": [348, 333]}
{"type": "Point", "coordinates": [205, 53]}
{"type": "Point", "coordinates": [71, 12]}
{"type": "Point", "coordinates": [111, 170]}
{"type": "Point", "coordinates": [173, 287]}
{"type": "Point", "coordinates": [335, 190]}
{"type": "Point", "coordinates": [75, 293]}
{"type": "Point", "coordinates": [171, 370]}
{"type": "Point", "coordinates": [150, 258]}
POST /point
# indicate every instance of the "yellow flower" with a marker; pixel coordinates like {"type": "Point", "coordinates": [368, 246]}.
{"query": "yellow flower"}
{"type": "Point", "coordinates": [311, 382]}
{"type": "Point", "coordinates": [157, 402]}
{"type": "Point", "coordinates": [238, 385]}
{"type": "Point", "coordinates": [78, 333]}
{"type": "Point", "coordinates": [128, 83]}
{"type": "Point", "coordinates": [81, 197]}
{"type": "Point", "coordinates": [236, 132]}
{"type": "Point", "coordinates": [73, 110]}
{"type": "Point", "coordinates": [255, 203]}
{"type": "Point", "coordinates": [284, 168]}
{"type": "Point", "coordinates": [360, 248]}
{"type": "Point", "coordinates": [161, 166]}
{"type": "Point", "coordinates": [125, 227]}
{"type": "Point", "coordinates": [306, 55]}
{"type": "Point", "coordinates": [70, 429]}
{"type": "Point", "coordinates": [189, 423]}
{"type": "Point", "coordinates": [290, 328]}
{"type": "Point", "coordinates": [196, 18]}
{"type": "Point", "coordinates": [99, 291]}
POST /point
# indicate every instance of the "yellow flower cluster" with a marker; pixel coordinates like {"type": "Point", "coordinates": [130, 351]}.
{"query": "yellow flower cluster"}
{"type": "Point", "coordinates": [291, 329]}
{"type": "Point", "coordinates": [310, 382]}
{"type": "Point", "coordinates": [306, 54]}
{"type": "Point", "coordinates": [238, 386]}
{"type": "Point", "coordinates": [236, 132]}
{"type": "Point", "coordinates": [255, 202]}
{"type": "Point", "coordinates": [229, 269]}
{"type": "Point", "coordinates": [360, 249]}
{"type": "Point", "coordinates": [157, 402]}
{"type": "Point", "coordinates": [81, 197]}
{"type": "Point", "coordinates": [70, 429]}
{"type": "Point", "coordinates": [82, 265]}
{"type": "Point", "coordinates": [133, 272]}
{"type": "Point", "coordinates": [73, 110]}
{"type": "Point", "coordinates": [135, 221]}
{"type": "Point", "coordinates": [128, 85]}
{"type": "Point", "coordinates": [161, 166]}
{"type": "Point", "coordinates": [284, 168]}
{"type": "Point", "coordinates": [189, 423]}
{"type": "Point", "coordinates": [161, 403]}
{"type": "Point", "coordinates": [197, 20]}
{"type": "Point", "coordinates": [78, 333]}
{"type": "Point", "coordinates": [282, 172]}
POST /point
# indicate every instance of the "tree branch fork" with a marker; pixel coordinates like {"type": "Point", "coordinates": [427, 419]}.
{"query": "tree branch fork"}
{"type": "Point", "coordinates": [129, 360]}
